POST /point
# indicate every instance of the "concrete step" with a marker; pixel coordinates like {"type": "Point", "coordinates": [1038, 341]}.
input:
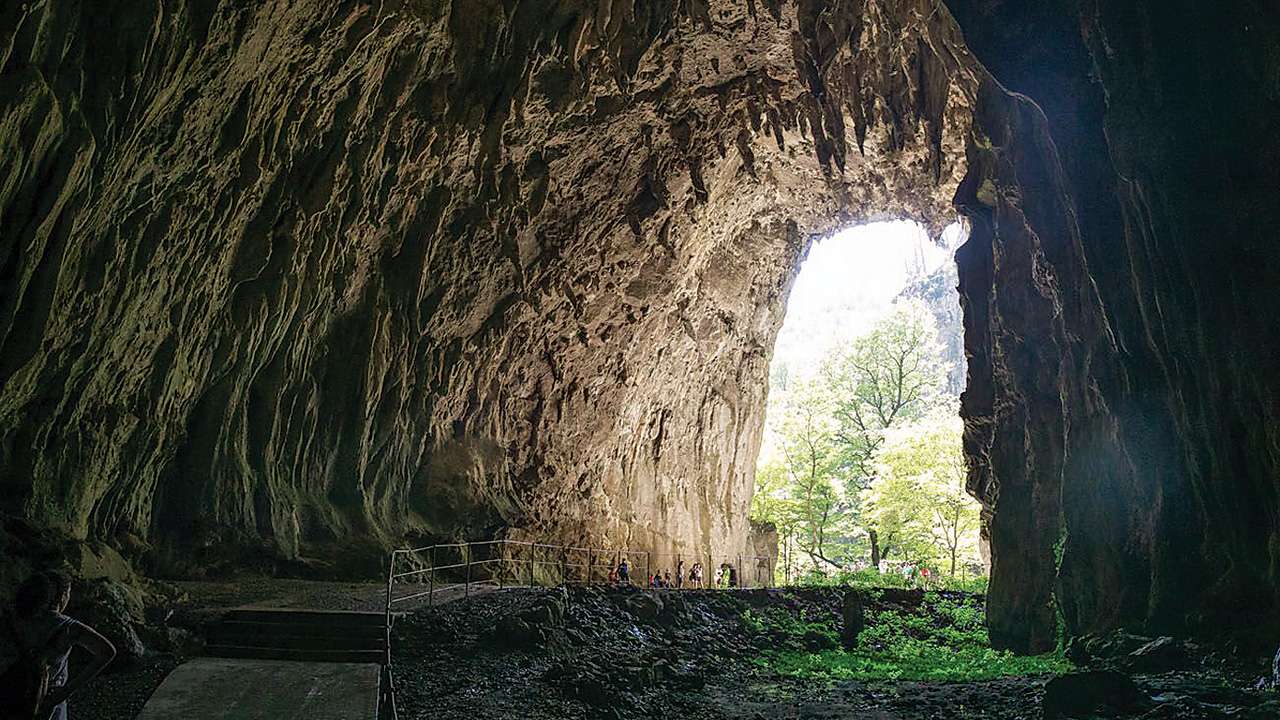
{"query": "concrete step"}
{"type": "Point", "coordinates": [300, 635]}
{"type": "Point", "coordinates": [332, 618]}
{"type": "Point", "coordinates": [221, 636]}
{"type": "Point", "coordinates": [276, 629]}
{"type": "Point", "coordinates": [303, 655]}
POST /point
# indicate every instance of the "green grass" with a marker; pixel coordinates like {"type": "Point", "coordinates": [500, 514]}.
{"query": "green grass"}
{"type": "Point", "coordinates": [945, 641]}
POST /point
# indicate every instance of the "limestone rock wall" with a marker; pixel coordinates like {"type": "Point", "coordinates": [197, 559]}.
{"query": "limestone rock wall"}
{"type": "Point", "coordinates": [1122, 411]}
{"type": "Point", "coordinates": [299, 278]}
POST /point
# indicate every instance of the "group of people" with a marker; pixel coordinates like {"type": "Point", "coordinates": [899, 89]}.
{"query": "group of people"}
{"type": "Point", "coordinates": [910, 572]}
{"type": "Point", "coordinates": [726, 576]}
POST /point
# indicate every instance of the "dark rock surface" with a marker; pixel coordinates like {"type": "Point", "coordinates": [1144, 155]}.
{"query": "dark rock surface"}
{"type": "Point", "coordinates": [852, 619]}
{"type": "Point", "coordinates": [1089, 694]}
{"type": "Point", "coordinates": [605, 662]}
{"type": "Point", "coordinates": [1121, 410]}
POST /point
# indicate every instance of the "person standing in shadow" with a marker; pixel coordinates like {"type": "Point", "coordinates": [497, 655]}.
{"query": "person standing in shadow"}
{"type": "Point", "coordinates": [37, 685]}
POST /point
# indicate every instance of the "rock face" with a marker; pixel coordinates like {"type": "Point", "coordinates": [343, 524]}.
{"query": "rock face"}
{"type": "Point", "coordinates": [299, 276]}
{"type": "Point", "coordinates": [302, 276]}
{"type": "Point", "coordinates": [937, 292]}
{"type": "Point", "coordinates": [1122, 413]}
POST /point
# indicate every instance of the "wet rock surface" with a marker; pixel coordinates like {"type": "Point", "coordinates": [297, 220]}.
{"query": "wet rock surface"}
{"type": "Point", "coordinates": [693, 658]}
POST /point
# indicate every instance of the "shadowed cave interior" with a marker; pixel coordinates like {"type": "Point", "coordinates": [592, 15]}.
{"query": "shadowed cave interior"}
{"type": "Point", "coordinates": [286, 285]}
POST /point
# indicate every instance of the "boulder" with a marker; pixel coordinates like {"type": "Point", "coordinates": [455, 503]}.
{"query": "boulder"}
{"type": "Point", "coordinates": [1087, 649]}
{"type": "Point", "coordinates": [1081, 695]}
{"type": "Point", "coordinates": [853, 618]}
{"type": "Point", "coordinates": [547, 612]}
{"type": "Point", "coordinates": [114, 609]}
{"type": "Point", "coordinates": [1160, 655]}
{"type": "Point", "coordinates": [514, 633]}
{"type": "Point", "coordinates": [1185, 708]}
{"type": "Point", "coordinates": [645, 607]}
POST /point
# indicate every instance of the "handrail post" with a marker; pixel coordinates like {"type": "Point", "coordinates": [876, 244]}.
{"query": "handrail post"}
{"type": "Point", "coordinates": [738, 571]}
{"type": "Point", "coordinates": [466, 587]}
{"type": "Point", "coordinates": [648, 562]}
{"type": "Point", "coordinates": [564, 566]}
{"type": "Point", "coordinates": [391, 575]}
{"type": "Point", "coordinates": [591, 565]}
{"type": "Point", "coordinates": [531, 549]}
{"type": "Point", "coordinates": [431, 580]}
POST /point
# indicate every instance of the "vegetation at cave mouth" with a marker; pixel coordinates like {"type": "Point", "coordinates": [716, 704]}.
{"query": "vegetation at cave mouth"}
{"type": "Point", "coordinates": [943, 640]}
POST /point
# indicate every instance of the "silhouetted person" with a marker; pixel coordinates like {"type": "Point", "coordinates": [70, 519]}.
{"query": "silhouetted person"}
{"type": "Point", "coordinates": [733, 576]}
{"type": "Point", "coordinates": [666, 579]}
{"type": "Point", "coordinates": [680, 574]}
{"type": "Point", "coordinates": [624, 571]}
{"type": "Point", "coordinates": [38, 685]}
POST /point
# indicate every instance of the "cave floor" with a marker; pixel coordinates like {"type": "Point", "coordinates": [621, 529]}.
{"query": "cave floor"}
{"type": "Point", "coordinates": [539, 654]}
{"type": "Point", "coordinates": [612, 655]}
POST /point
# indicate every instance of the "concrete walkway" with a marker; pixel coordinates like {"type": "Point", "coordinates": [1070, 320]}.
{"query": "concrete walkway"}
{"type": "Point", "coordinates": [234, 689]}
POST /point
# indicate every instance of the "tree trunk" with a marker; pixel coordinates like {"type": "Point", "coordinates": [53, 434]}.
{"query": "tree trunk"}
{"type": "Point", "coordinates": [875, 549]}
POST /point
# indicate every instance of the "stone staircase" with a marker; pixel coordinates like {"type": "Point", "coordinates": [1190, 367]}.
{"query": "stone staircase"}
{"type": "Point", "coordinates": [301, 635]}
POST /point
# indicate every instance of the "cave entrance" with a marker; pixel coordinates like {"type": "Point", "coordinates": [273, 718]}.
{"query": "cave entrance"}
{"type": "Point", "coordinates": [861, 468]}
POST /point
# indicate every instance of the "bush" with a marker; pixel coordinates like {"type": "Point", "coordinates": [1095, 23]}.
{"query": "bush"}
{"type": "Point", "coordinates": [871, 578]}
{"type": "Point", "coordinates": [944, 640]}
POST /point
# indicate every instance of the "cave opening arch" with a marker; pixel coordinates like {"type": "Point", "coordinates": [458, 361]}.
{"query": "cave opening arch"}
{"type": "Point", "coordinates": [862, 418]}
{"type": "Point", "coordinates": [458, 282]}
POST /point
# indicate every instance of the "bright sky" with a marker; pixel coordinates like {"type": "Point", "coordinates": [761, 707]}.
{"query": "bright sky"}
{"type": "Point", "coordinates": [849, 281]}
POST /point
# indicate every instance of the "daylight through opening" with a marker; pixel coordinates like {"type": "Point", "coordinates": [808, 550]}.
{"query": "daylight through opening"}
{"type": "Point", "coordinates": [861, 469]}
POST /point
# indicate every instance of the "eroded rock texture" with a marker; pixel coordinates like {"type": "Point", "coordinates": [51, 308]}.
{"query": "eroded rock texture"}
{"type": "Point", "coordinates": [298, 275]}
{"type": "Point", "coordinates": [1121, 417]}
{"type": "Point", "coordinates": [305, 274]}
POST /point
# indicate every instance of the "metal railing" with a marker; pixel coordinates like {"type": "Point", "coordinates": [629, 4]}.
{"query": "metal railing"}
{"type": "Point", "coordinates": [509, 563]}
{"type": "Point", "coordinates": [513, 563]}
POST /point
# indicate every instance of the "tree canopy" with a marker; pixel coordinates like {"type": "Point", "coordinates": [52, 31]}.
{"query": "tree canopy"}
{"type": "Point", "coordinates": [865, 462]}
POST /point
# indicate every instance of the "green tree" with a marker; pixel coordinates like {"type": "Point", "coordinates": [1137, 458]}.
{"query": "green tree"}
{"type": "Point", "coordinates": [889, 376]}
{"type": "Point", "coordinates": [772, 503]}
{"type": "Point", "coordinates": [812, 463]}
{"type": "Point", "coordinates": [918, 499]}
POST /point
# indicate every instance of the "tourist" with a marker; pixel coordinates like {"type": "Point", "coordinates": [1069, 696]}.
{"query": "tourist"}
{"type": "Point", "coordinates": [719, 576]}
{"type": "Point", "coordinates": [613, 576]}
{"type": "Point", "coordinates": [733, 576]}
{"type": "Point", "coordinates": [695, 575]}
{"type": "Point", "coordinates": [38, 684]}
{"type": "Point", "coordinates": [680, 574]}
{"type": "Point", "coordinates": [624, 572]}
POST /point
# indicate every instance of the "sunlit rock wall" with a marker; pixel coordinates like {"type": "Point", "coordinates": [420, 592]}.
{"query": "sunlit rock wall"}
{"type": "Point", "coordinates": [297, 278]}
